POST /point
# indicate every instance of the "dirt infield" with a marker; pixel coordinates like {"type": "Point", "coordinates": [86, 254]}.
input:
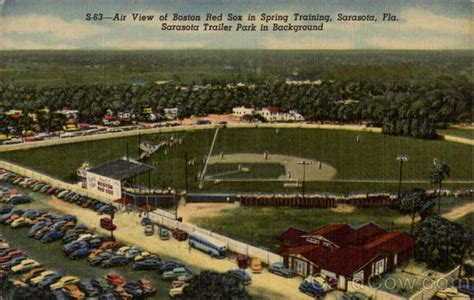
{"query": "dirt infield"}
{"type": "Point", "coordinates": [315, 171]}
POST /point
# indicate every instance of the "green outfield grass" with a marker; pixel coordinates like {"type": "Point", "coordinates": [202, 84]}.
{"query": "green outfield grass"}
{"type": "Point", "coordinates": [367, 165]}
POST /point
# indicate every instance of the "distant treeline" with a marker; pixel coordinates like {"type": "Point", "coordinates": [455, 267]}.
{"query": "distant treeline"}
{"type": "Point", "coordinates": [409, 109]}
{"type": "Point", "coordinates": [221, 66]}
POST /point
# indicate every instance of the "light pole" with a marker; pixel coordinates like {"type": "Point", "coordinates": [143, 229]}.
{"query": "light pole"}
{"type": "Point", "coordinates": [401, 158]}
{"type": "Point", "coordinates": [304, 163]}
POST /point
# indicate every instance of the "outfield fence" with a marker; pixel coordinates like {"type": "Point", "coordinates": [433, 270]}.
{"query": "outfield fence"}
{"type": "Point", "coordinates": [185, 128]}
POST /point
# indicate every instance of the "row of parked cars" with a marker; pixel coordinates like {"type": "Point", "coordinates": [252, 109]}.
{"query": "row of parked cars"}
{"type": "Point", "coordinates": [8, 195]}
{"type": "Point", "coordinates": [45, 188]}
{"type": "Point", "coordinates": [82, 242]}
{"type": "Point", "coordinates": [79, 242]}
{"type": "Point", "coordinates": [15, 262]}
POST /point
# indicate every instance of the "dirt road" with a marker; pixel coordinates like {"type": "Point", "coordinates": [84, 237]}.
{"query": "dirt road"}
{"type": "Point", "coordinates": [264, 285]}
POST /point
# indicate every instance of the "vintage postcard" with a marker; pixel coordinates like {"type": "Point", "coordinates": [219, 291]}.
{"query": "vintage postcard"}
{"type": "Point", "coordinates": [218, 149]}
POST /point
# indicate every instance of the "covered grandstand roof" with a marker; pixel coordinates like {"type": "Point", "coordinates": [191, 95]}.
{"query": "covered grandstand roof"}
{"type": "Point", "coordinates": [121, 169]}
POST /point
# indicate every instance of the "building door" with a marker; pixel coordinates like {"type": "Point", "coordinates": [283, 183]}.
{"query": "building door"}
{"type": "Point", "coordinates": [300, 267]}
{"type": "Point", "coordinates": [379, 267]}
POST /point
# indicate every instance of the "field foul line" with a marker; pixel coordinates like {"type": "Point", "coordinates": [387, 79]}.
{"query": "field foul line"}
{"type": "Point", "coordinates": [336, 180]}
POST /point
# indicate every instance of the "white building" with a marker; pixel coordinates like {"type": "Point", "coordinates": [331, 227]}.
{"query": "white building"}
{"type": "Point", "coordinates": [241, 111]}
{"type": "Point", "coordinates": [303, 82]}
{"type": "Point", "coordinates": [171, 113]}
{"type": "Point", "coordinates": [271, 114]}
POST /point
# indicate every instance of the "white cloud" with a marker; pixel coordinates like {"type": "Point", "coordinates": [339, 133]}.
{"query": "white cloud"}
{"type": "Point", "coordinates": [52, 26]}
{"type": "Point", "coordinates": [150, 44]}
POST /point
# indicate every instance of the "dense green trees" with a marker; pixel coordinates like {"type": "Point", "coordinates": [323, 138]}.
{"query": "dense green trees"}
{"type": "Point", "coordinates": [442, 244]}
{"type": "Point", "coordinates": [414, 203]}
{"type": "Point", "coordinates": [407, 109]}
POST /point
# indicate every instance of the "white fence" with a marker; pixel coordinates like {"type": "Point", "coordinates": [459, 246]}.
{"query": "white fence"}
{"type": "Point", "coordinates": [371, 292]}
{"type": "Point", "coordinates": [439, 284]}
{"type": "Point", "coordinates": [233, 245]}
{"type": "Point", "coordinates": [158, 216]}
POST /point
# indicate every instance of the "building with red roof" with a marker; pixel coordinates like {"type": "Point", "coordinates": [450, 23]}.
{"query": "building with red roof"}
{"type": "Point", "coordinates": [342, 252]}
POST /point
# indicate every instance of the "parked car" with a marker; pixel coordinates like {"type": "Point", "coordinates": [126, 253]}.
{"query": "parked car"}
{"type": "Point", "coordinates": [312, 289]}
{"type": "Point", "coordinates": [144, 255]}
{"type": "Point", "coordinates": [148, 289]}
{"type": "Point", "coordinates": [256, 265]}
{"type": "Point", "coordinates": [164, 234]}
{"type": "Point", "coordinates": [111, 245]}
{"type": "Point", "coordinates": [89, 289]}
{"type": "Point", "coordinates": [169, 265]}
{"type": "Point", "coordinates": [107, 224]}
{"type": "Point", "coordinates": [147, 264]}
{"type": "Point", "coordinates": [32, 273]}
{"type": "Point", "coordinates": [73, 246]}
{"type": "Point", "coordinates": [134, 288]}
{"type": "Point", "coordinates": [130, 254]}
{"type": "Point", "coordinates": [123, 250]}
{"type": "Point", "coordinates": [10, 255]}
{"type": "Point", "coordinates": [280, 269]}
{"type": "Point", "coordinates": [52, 236]}
{"type": "Point", "coordinates": [114, 261]}
{"type": "Point", "coordinates": [49, 280]}
{"type": "Point", "coordinates": [65, 281]}
{"type": "Point", "coordinates": [80, 253]}
{"type": "Point", "coordinates": [99, 258]}
{"type": "Point", "coordinates": [36, 280]}
{"type": "Point", "coordinates": [101, 284]}
{"type": "Point", "coordinates": [25, 265]}
{"type": "Point", "coordinates": [36, 227]}
{"type": "Point", "coordinates": [177, 288]}
{"type": "Point", "coordinates": [180, 235]}
{"type": "Point", "coordinates": [175, 273]}
{"type": "Point", "coordinates": [465, 287]}
{"type": "Point", "coordinates": [149, 230]}
{"type": "Point", "coordinates": [18, 223]}
{"type": "Point", "coordinates": [14, 261]}
{"type": "Point", "coordinates": [115, 279]}
{"type": "Point", "coordinates": [241, 275]}
{"type": "Point", "coordinates": [73, 291]}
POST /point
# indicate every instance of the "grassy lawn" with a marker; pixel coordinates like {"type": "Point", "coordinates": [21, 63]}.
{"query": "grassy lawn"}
{"type": "Point", "coordinates": [372, 159]}
{"type": "Point", "coordinates": [263, 225]}
{"type": "Point", "coordinates": [467, 221]}
{"type": "Point", "coordinates": [255, 170]}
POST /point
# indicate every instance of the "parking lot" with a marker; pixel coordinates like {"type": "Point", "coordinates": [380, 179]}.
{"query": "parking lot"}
{"type": "Point", "coordinates": [264, 286]}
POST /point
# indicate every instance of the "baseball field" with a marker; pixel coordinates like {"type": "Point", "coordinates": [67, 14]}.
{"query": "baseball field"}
{"type": "Point", "coordinates": [264, 159]}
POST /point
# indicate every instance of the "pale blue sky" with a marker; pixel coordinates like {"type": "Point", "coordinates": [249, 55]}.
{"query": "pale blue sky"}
{"type": "Point", "coordinates": [61, 24]}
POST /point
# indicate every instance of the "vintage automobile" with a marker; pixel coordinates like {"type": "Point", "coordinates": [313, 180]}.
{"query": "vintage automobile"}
{"type": "Point", "coordinates": [279, 269]}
